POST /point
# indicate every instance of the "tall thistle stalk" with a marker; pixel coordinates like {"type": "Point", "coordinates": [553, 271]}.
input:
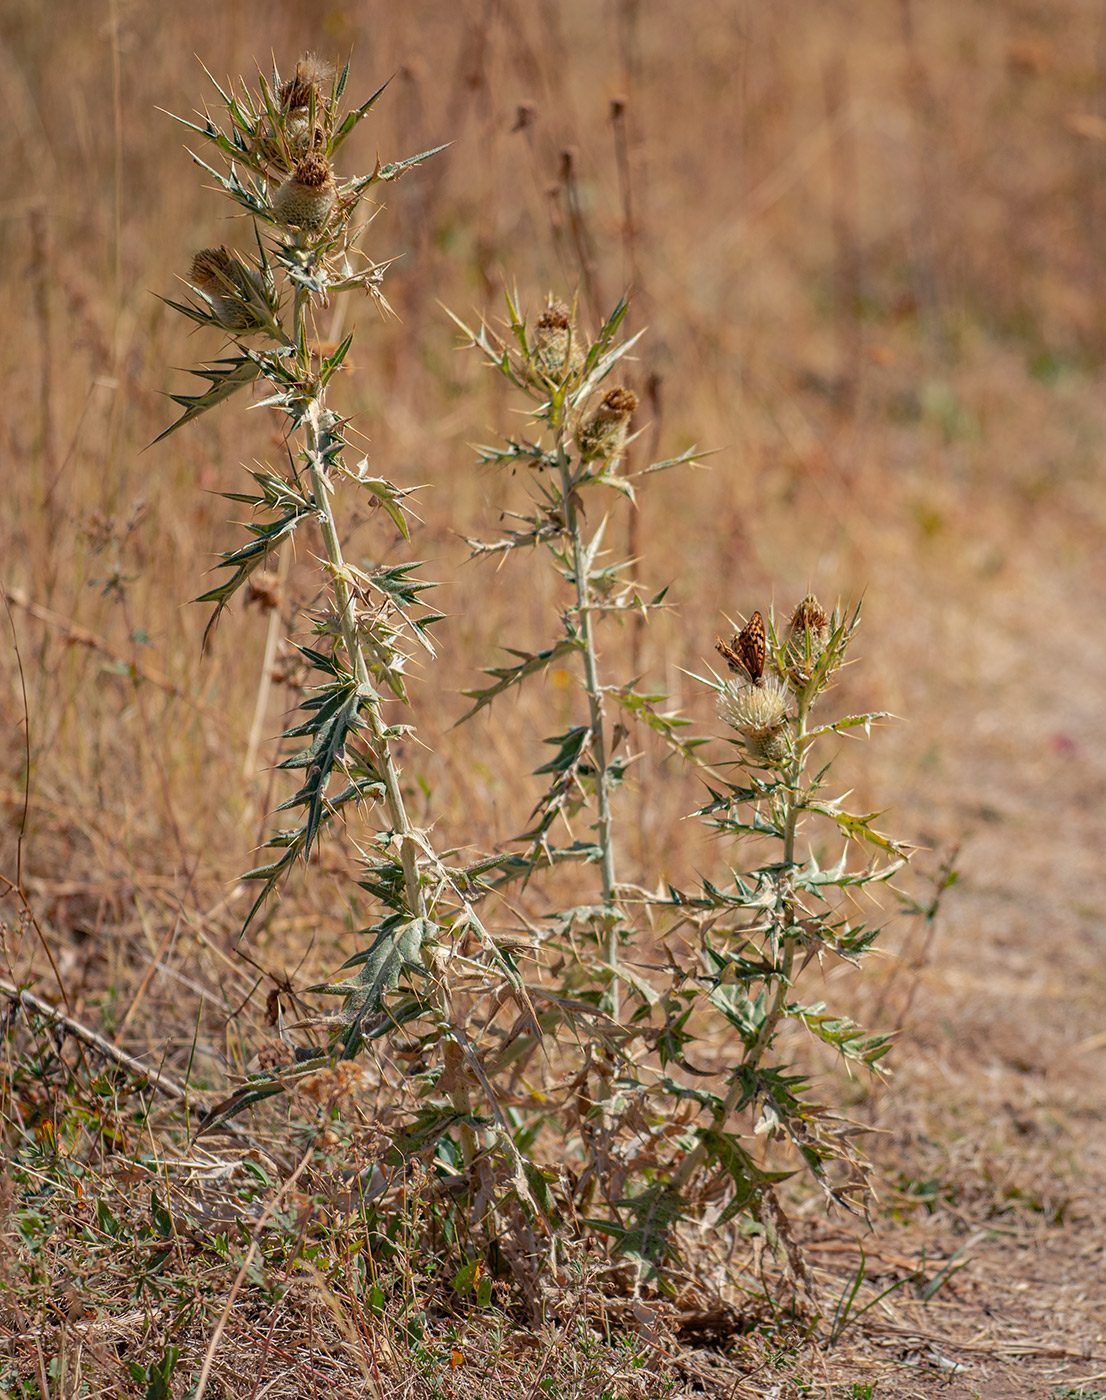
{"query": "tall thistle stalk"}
{"type": "Point", "coordinates": [584, 428]}
{"type": "Point", "coordinates": [429, 982]}
{"type": "Point", "coordinates": [284, 139]}
{"type": "Point", "coordinates": [279, 144]}
{"type": "Point", "coordinates": [757, 938]}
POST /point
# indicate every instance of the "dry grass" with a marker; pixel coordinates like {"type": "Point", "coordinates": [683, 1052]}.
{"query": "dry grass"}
{"type": "Point", "coordinates": [867, 249]}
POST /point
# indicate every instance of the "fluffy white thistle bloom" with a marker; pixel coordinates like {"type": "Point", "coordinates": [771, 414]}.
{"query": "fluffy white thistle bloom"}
{"type": "Point", "coordinates": [755, 711]}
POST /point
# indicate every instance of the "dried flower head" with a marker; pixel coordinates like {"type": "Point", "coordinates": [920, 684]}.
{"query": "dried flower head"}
{"type": "Point", "coordinates": [810, 617]}
{"type": "Point", "coordinates": [558, 353]}
{"type": "Point", "coordinates": [759, 714]}
{"type": "Point", "coordinates": [307, 198]}
{"type": "Point", "coordinates": [312, 75]}
{"type": "Point", "coordinates": [602, 434]}
{"type": "Point", "coordinates": [306, 88]}
{"type": "Point", "coordinates": [808, 636]}
{"type": "Point", "coordinates": [212, 269]}
{"type": "Point", "coordinates": [234, 293]}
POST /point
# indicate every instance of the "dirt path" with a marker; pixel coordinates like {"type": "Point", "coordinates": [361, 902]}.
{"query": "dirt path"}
{"type": "Point", "coordinates": [995, 1119]}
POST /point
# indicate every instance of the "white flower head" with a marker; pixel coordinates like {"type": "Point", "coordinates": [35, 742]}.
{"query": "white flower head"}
{"type": "Point", "coordinates": [755, 711]}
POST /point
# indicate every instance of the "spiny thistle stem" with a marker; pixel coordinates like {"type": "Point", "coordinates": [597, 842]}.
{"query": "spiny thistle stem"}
{"type": "Point", "coordinates": [790, 940]}
{"type": "Point", "coordinates": [382, 750]}
{"type": "Point", "coordinates": [278, 145]}
{"type": "Point", "coordinates": [584, 605]}
{"type": "Point", "coordinates": [397, 811]}
{"type": "Point", "coordinates": [381, 746]}
{"type": "Point", "coordinates": [585, 424]}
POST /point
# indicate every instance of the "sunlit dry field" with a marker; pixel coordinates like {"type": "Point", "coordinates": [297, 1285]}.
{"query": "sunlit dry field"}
{"type": "Point", "coordinates": [865, 244]}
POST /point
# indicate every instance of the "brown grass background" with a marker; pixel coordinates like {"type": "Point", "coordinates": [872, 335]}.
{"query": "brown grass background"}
{"type": "Point", "coordinates": [866, 241]}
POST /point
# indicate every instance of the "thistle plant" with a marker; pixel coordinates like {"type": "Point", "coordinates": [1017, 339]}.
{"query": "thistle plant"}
{"type": "Point", "coordinates": [719, 1114]}
{"type": "Point", "coordinates": [280, 145]}
{"type": "Point", "coordinates": [650, 1137]}
{"type": "Point", "coordinates": [755, 937]}
{"type": "Point", "coordinates": [284, 139]}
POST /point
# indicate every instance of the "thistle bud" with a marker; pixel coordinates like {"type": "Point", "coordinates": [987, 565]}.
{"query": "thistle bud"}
{"type": "Point", "coordinates": [808, 636]}
{"type": "Point", "coordinates": [602, 435]}
{"type": "Point", "coordinates": [558, 353]}
{"type": "Point", "coordinates": [308, 196]}
{"type": "Point", "coordinates": [236, 296]}
{"type": "Point", "coordinates": [295, 142]}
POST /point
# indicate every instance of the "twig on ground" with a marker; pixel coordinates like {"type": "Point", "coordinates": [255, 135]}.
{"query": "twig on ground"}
{"type": "Point", "coordinates": [94, 1040]}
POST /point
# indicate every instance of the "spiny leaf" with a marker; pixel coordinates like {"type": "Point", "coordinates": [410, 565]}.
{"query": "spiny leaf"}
{"type": "Point", "coordinates": [689, 458]}
{"type": "Point", "coordinates": [392, 171]}
{"type": "Point", "coordinates": [851, 1040]}
{"type": "Point", "coordinates": [246, 561]}
{"type": "Point", "coordinates": [350, 120]}
{"type": "Point", "coordinates": [849, 722]}
{"type": "Point", "coordinates": [858, 827]}
{"type": "Point", "coordinates": [320, 758]}
{"type": "Point", "coordinates": [329, 365]}
{"type": "Point", "coordinates": [395, 949]}
{"type": "Point", "coordinates": [508, 676]}
{"type": "Point", "coordinates": [225, 377]}
{"type": "Point", "coordinates": [654, 1213]}
{"type": "Point", "coordinates": [643, 708]}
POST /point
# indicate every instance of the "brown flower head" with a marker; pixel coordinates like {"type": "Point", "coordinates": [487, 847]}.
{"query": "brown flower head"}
{"type": "Point", "coordinates": [212, 270]}
{"type": "Point", "coordinates": [295, 136]}
{"type": "Point", "coordinates": [312, 75]}
{"type": "Point", "coordinates": [558, 353]}
{"type": "Point", "coordinates": [808, 636]}
{"type": "Point", "coordinates": [602, 434]}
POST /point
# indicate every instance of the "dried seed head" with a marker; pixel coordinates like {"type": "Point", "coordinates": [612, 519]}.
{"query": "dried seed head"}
{"type": "Point", "coordinates": [212, 269]}
{"type": "Point", "coordinates": [558, 353]}
{"type": "Point", "coordinates": [809, 616]}
{"type": "Point", "coordinates": [314, 173]}
{"type": "Point", "coordinates": [757, 712]}
{"type": "Point", "coordinates": [312, 77]}
{"type": "Point", "coordinates": [556, 316]}
{"type": "Point", "coordinates": [808, 635]}
{"type": "Point", "coordinates": [312, 73]}
{"type": "Point", "coordinates": [602, 435]}
{"type": "Point", "coordinates": [300, 136]}
{"type": "Point", "coordinates": [235, 296]}
{"type": "Point", "coordinates": [307, 197]}
{"type": "Point", "coordinates": [298, 139]}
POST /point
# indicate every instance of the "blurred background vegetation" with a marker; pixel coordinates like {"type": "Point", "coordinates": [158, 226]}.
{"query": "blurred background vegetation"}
{"type": "Point", "coordinates": [866, 242]}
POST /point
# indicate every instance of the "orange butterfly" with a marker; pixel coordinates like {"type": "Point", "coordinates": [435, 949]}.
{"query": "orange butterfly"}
{"type": "Point", "coordinates": [748, 649]}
